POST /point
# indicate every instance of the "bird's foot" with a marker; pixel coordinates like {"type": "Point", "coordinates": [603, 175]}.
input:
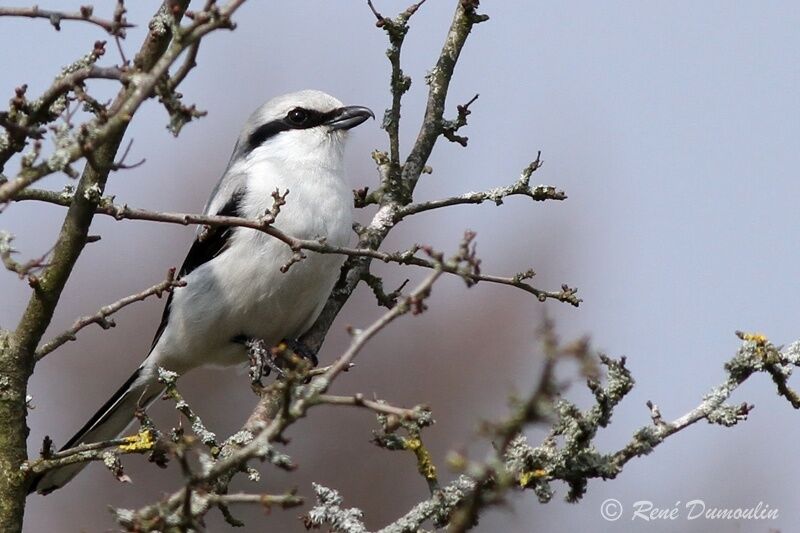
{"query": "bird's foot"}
{"type": "Point", "coordinates": [262, 360]}
{"type": "Point", "coordinates": [301, 350]}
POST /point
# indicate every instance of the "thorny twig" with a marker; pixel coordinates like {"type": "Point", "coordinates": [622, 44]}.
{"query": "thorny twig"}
{"type": "Point", "coordinates": [107, 452]}
{"type": "Point", "coordinates": [101, 317]}
{"type": "Point", "coordinates": [257, 439]}
{"type": "Point", "coordinates": [451, 127]}
{"type": "Point", "coordinates": [265, 224]}
{"type": "Point", "coordinates": [115, 26]}
{"type": "Point", "coordinates": [376, 284]}
{"type": "Point", "coordinates": [515, 465]}
{"type": "Point", "coordinates": [23, 270]}
{"type": "Point", "coordinates": [141, 88]}
{"type": "Point", "coordinates": [97, 141]}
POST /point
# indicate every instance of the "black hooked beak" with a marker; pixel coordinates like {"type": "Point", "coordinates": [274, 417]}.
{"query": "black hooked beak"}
{"type": "Point", "coordinates": [348, 117]}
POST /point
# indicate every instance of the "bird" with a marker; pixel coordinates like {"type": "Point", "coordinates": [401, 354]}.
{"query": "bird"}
{"type": "Point", "coordinates": [235, 289]}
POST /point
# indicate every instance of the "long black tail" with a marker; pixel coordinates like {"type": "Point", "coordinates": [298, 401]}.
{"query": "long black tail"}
{"type": "Point", "coordinates": [107, 423]}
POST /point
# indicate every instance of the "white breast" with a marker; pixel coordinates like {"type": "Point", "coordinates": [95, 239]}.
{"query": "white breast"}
{"type": "Point", "coordinates": [242, 291]}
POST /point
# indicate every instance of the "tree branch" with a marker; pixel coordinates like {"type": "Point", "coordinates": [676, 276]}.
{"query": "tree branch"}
{"type": "Point", "coordinates": [396, 29]}
{"type": "Point", "coordinates": [265, 224]}
{"type": "Point", "coordinates": [101, 317]}
{"type": "Point", "coordinates": [438, 81]}
{"type": "Point", "coordinates": [129, 101]}
{"type": "Point", "coordinates": [568, 453]}
{"type": "Point", "coordinates": [380, 407]}
{"type": "Point", "coordinates": [399, 186]}
{"type": "Point", "coordinates": [267, 423]}
{"type": "Point", "coordinates": [521, 187]}
{"type": "Point", "coordinates": [101, 139]}
{"type": "Point", "coordinates": [112, 27]}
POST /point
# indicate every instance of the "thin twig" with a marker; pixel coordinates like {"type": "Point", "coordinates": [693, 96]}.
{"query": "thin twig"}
{"type": "Point", "coordinates": [101, 317]}
{"type": "Point", "coordinates": [188, 64]}
{"type": "Point", "coordinates": [127, 104]}
{"type": "Point", "coordinates": [361, 337]}
{"type": "Point", "coordinates": [358, 400]}
{"type": "Point", "coordinates": [113, 27]}
{"type": "Point", "coordinates": [235, 455]}
{"type": "Point", "coordinates": [407, 257]}
{"type": "Point", "coordinates": [537, 193]}
{"type": "Point", "coordinates": [284, 501]}
{"type": "Point", "coordinates": [399, 186]}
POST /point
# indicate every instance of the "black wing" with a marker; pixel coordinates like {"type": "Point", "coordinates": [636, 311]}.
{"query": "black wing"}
{"type": "Point", "coordinates": [205, 247]}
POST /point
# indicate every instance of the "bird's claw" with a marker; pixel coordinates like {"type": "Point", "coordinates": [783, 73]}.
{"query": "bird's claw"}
{"type": "Point", "coordinates": [302, 351]}
{"type": "Point", "coordinates": [263, 359]}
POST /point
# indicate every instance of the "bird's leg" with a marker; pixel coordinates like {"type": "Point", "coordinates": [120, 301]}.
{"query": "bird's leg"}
{"type": "Point", "coordinates": [261, 360]}
{"type": "Point", "coordinates": [301, 350]}
{"type": "Point", "coordinates": [264, 358]}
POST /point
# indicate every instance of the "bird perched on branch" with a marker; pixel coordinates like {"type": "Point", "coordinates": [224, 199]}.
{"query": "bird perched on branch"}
{"type": "Point", "coordinates": [235, 288]}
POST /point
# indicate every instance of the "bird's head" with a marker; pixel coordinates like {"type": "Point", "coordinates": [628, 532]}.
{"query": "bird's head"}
{"type": "Point", "coordinates": [304, 127]}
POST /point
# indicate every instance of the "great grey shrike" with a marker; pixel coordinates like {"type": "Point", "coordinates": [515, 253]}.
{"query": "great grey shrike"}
{"type": "Point", "coordinates": [234, 288]}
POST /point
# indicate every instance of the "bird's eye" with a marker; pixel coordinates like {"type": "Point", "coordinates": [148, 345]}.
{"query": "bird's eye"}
{"type": "Point", "coordinates": [297, 116]}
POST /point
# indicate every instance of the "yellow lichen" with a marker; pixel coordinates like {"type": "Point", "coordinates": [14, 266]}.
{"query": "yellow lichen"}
{"type": "Point", "coordinates": [424, 462]}
{"type": "Point", "coordinates": [140, 442]}
{"type": "Point", "coordinates": [758, 338]}
{"type": "Point", "coordinates": [526, 478]}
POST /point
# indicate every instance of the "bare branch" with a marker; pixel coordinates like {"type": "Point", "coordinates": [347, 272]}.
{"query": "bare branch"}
{"type": "Point", "coordinates": [42, 110]}
{"type": "Point", "coordinates": [358, 400]}
{"type": "Point", "coordinates": [538, 193]}
{"type": "Point", "coordinates": [188, 64]}
{"type": "Point", "coordinates": [101, 317]}
{"type": "Point", "coordinates": [121, 164]}
{"type": "Point", "coordinates": [376, 284]}
{"type": "Point", "coordinates": [514, 465]}
{"type": "Point", "coordinates": [439, 83]}
{"type": "Point", "coordinates": [25, 269]}
{"type": "Point", "coordinates": [450, 127]}
{"type": "Point", "coordinates": [95, 451]}
{"type": "Point", "coordinates": [407, 257]}
{"type": "Point", "coordinates": [398, 187]}
{"type": "Point", "coordinates": [168, 379]}
{"type": "Point", "coordinates": [125, 107]}
{"type": "Point", "coordinates": [115, 26]}
{"type": "Point", "coordinates": [284, 501]}
{"type": "Point", "coordinates": [292, 400]}
{"type": "Point", "coordinates": [396, 29]}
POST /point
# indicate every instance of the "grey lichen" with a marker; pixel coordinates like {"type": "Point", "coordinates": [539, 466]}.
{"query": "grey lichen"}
{"type": "Point", "coordinates": [328, 511]}
{"type": "Point", "coordinates": [4, 144]}
{"type": "Point", "coordinates": [238, 439]}
{"type": "Point", "coordinates": [94, 193]}
{"type": "Point", "coordinates": [63, 141]}
{"type": "Point", "coordinates": [253, 475]}
{"type": "Point", "coordinates": [726, 415]}
{"type": "Point", "coordinates": [206, 437]}
{"type": "Point", "coordinates": [167, 377]}
{"type": "Point", "coordinates": [111, 460]}
{"type": "Point", "coordinates": [124, 517]}
{"type": "Point", "coordinates": [792, 353]}
{"type": "Point", "coordinates": [67, 192]}
{"type": "Point", "coordinates": [438, 508]}
{"type": "Point", "coordinates": [162, 22]}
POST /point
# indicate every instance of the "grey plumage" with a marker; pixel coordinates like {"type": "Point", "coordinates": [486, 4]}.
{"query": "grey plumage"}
{"type": "Point", "coordinates": [234, 287]}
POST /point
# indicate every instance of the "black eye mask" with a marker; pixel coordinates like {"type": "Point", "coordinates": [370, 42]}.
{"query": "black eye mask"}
{"type": "Point", "coordinates": [297, 119]}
